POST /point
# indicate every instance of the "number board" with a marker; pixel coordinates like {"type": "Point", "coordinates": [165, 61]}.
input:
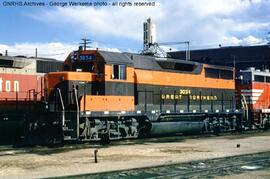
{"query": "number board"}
{"type": "Point", "coordinates": [86, 57]}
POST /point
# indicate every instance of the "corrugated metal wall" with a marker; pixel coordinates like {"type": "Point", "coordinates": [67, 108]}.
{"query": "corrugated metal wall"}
{"type": "Point", "coordinates": [49, 66]}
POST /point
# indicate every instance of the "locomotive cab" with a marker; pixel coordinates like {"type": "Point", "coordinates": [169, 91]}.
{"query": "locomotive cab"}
{"type": "Point", "coordinates": [103, 83]}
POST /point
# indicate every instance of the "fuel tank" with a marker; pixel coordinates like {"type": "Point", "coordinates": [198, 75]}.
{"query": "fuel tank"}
{"type": "Point", "coordinates": [177, 124]}
{"type": "Point", "coordinates": [170, 128]}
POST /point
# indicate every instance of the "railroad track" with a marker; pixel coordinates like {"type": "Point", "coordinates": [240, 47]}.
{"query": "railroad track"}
{"type": "Point", "coordinates": [214, 171]}
{"type": "Point", "coordinates": [198, 169]}
{"type": "Point", "coordinates": [94, 145]}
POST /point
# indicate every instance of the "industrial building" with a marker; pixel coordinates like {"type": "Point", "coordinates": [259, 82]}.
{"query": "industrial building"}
{"type": "Point", "coordinates": [240, 57]}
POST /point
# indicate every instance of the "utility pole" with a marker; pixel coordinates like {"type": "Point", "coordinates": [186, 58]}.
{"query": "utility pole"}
{"type": "Point", "coordinates": [268, 37]}
{"type": "Point", "coordinates": [234, 61]}
{"type": "Point", "coordinates": [36, 53]}
{"type": "Point", "coordinates": [85, 42]}
{"type": "Point", "coordinates": [187, 50]}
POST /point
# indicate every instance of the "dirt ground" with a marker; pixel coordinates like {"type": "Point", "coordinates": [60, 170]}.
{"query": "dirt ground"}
{"type": "Point", "coordinates": [42, 162]}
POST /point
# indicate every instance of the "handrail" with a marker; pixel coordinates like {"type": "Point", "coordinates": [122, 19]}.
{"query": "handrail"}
{"type": "Point", "coordinates": [29, 95]}
{"type": "Point", "coordinates": [78, 111]}
{"type": "Point", "coordinates": [62, 105]}
{"type": "Point", "coordinates": [245, 106]}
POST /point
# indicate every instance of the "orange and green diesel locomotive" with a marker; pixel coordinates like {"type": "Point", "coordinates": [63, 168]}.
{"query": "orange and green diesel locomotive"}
{"type": "Point", "coordinates": [105, 96]}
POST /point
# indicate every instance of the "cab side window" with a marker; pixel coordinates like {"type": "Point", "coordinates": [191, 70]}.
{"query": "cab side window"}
{"type": "Point", "coordinates": [119, 72]}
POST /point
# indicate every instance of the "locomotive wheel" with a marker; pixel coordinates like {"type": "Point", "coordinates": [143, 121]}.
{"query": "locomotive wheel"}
{"type": "Point", "coordinates": [55, 136]}
{"type": "Point", "coordinates": [104, 138]}
{"type": "Point", "coordinates": [216, 129]}
{"type": "Point", "coordinates": [144, 131]}
{"type": "Point", "coordinates": [266, 125]}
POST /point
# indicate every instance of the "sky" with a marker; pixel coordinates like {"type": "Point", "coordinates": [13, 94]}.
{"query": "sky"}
{"type": "Point", "coordinates": [56, 30]}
